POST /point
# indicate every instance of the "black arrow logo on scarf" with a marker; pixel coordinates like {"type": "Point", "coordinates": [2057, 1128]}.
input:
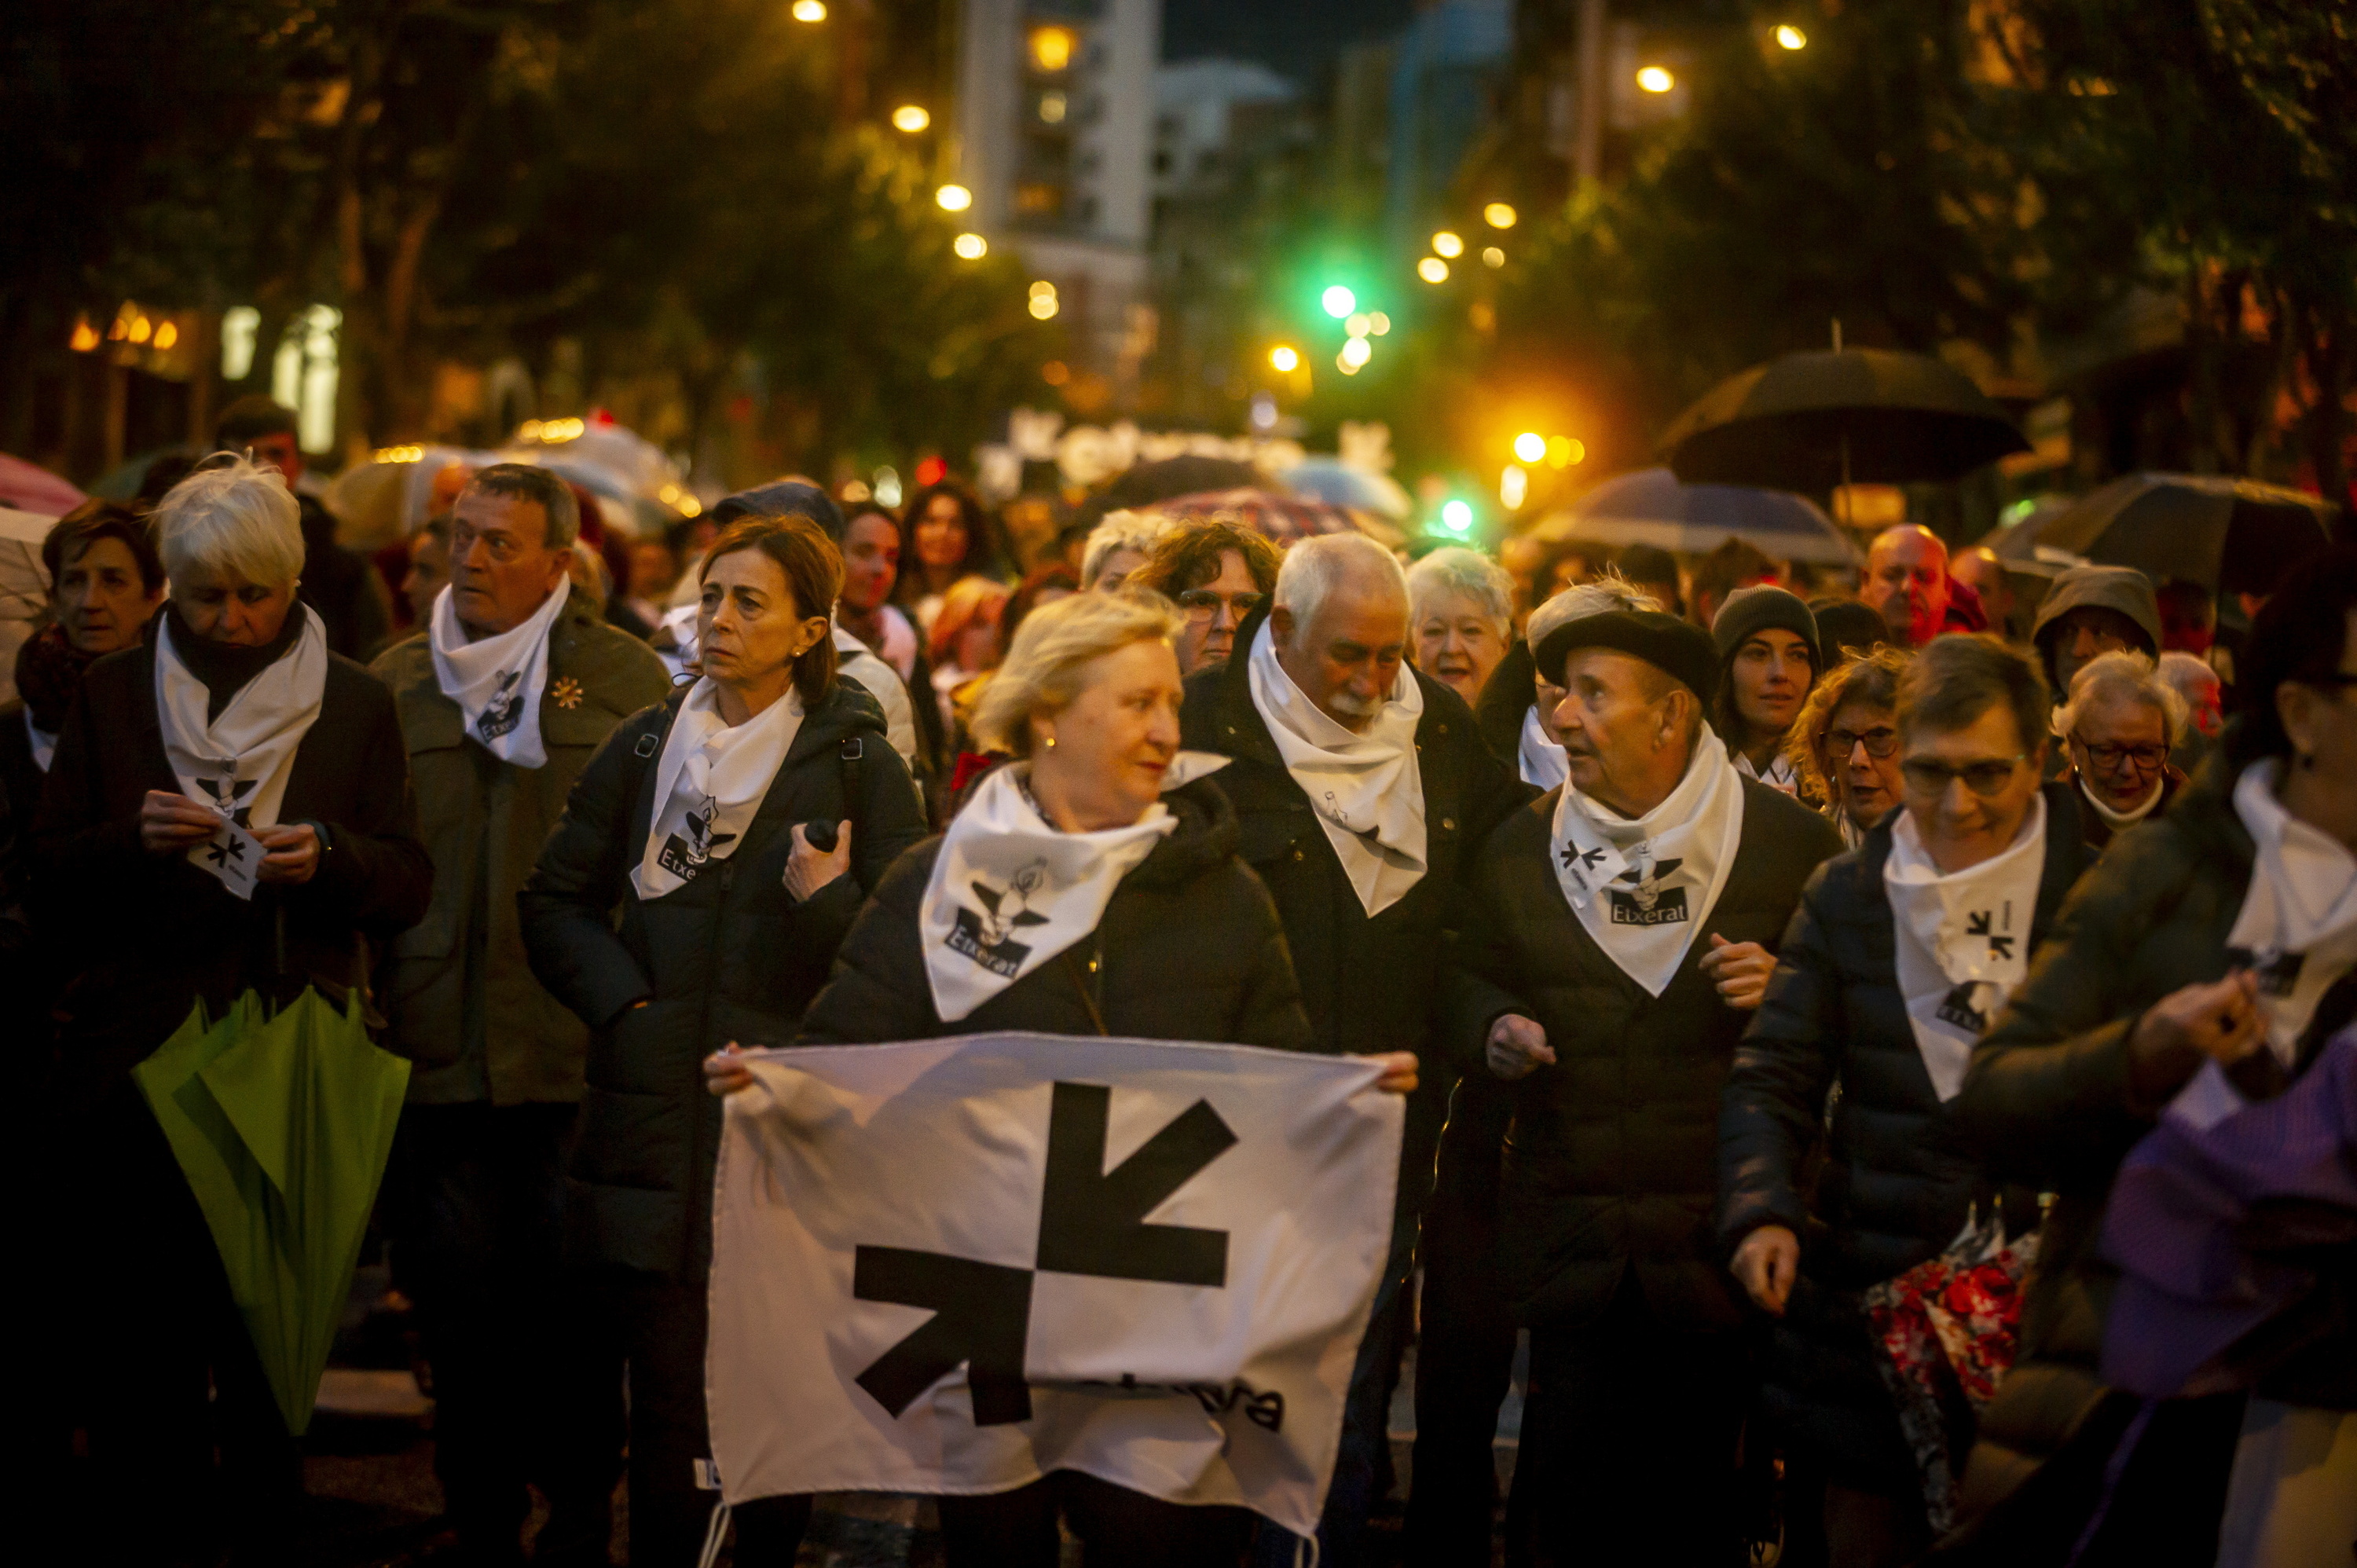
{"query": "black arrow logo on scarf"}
{"type": "Point", "coordinates": [1091, 1222]}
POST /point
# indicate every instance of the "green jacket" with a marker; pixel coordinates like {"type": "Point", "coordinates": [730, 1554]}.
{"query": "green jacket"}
{"type": "Point", "coordinates": [2054, 1100]}
{"type": "Point", "coordinates": [484, 821]}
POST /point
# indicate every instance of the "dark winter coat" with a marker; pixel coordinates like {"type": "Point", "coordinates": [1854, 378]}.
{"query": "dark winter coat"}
{"type": "Point", "coordinates": [729, 956]}
{"type": "Point", "coordinates": [1610, 1159]}
{"type": "Point", "coordinates": [463, 966]}
{"type": "Point", "coordinates": [1188, 949]}
{"type": "Point", "coordinates": [174, 934]}
{"type": "Point", "coordinates": [1368, 983]}
{"type": "Point", "coordinates": [2055, 1097]}
{"type": "Point", "coordinates": [1897, 1181]}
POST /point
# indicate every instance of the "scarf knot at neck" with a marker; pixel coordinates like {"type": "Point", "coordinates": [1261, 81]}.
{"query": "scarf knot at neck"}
{"type": "Point", "coordinates": [1961, 939]}
{"type": "Point", "coordinates": [497, 680]}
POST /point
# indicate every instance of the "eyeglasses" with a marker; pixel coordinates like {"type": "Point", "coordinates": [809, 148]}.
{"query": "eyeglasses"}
{"type": "Point", "coordinates": [1926, 777]}
{"type": "Point", "coordinates": [1879, 741]}
{"type": "Point", "coordinates": [1202, 604]}
{"type": "Point", "coordinates": [2107, 759]}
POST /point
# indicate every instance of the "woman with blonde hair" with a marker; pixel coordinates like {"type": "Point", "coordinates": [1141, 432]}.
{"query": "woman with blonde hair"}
{"type": "Point", "coordinates": [1146, 927]}
{"type": "Point", "coordinates": [1845, 745]}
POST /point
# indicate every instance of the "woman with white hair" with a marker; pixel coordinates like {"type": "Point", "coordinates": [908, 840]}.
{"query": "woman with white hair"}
{"type": "Point", "coordinates": [1118, 546]}
{"type": "Point", "coordinates": [1138, 921]}
{"type": "Point", "coordinates": [2120, 724]}
{"type": "Point", "coordinates": [230, 805]}
{"type": "Point", "coordinates": [1461, 613]}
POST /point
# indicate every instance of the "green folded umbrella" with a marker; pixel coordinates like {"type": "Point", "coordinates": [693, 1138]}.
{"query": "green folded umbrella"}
{"type": "Point", "coordinates": [283, 1126]}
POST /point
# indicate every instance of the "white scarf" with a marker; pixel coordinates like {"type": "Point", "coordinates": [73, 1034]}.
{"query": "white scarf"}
{"type": "Point", "coordinates": [497, 680]}
{"type": "Point", "coordinates": [709, 783]}
{"type": "Point", "coordinates": [1364, 785]}
{"type": "Point", "coordinates": [1660, 875]}
{"type": "Point", "coordinates": [2299, 922]}
{"type": "Point", "coordinates": [1008, 891]}
{"type": "Point", "coordinates": [44, 744]}
{"type": "Point", "coordinates": [1962, 939]}
{"type": "Point", "coordinates": [1541, 761]}
{"type": "Point", "coordinates": [1781, 774]}
{"type": "Point", "coordinates": [240, 762]}
{"type": "Point", "coordinates": [2116, 821]}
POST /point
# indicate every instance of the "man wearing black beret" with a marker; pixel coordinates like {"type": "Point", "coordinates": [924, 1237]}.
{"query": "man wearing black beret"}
{"type": "Point", "coordinates": [1622, 936]}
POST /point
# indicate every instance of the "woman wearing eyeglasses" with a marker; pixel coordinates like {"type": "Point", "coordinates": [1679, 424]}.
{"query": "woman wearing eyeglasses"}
{"type": "Point", "coordinates": [1899, 952]}
{"type": "Point", "coordinates": [1846, 743]}
{"type": "Point", "coordinates": [2119, 726]}
{"type": "Point", "coordinates": [2204, 963]}
{"type": "Point", "coordinates": [1217, 573]}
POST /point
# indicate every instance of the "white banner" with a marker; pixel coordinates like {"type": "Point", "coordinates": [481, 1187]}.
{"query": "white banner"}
{"type": "Point", "coordinates": [952, 1266]}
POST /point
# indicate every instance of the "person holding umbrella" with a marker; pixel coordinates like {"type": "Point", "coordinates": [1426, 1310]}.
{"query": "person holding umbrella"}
{"type": "Point", "coordinates": [707, 864]}
{"type": "Point", "coordinates": [230, 803]}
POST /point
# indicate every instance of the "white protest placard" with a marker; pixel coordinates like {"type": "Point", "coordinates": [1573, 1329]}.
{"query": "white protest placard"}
{"type": "Point", "coordinates": [235, 855]}
{"type": "Point", "coordinates": [953, 1266]}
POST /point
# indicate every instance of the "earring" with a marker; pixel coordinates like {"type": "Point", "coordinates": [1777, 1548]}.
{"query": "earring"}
{"type": "Point", "coordinates": [1052, 743]}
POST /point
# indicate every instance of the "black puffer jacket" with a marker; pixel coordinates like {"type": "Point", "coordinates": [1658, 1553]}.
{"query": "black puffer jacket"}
{"type": "Point", "coordinates": [730, 956]}
{"type": "Point", "coordinates": [1897, 1179]}
{"type": "Point", "coordinates": [1610, 1157]}
{"type": "Point", "coordinates": [1188, 949]}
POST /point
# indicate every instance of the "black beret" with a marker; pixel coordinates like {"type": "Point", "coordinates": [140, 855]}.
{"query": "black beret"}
{"type": "Point", "coordinates": [1677, 648]}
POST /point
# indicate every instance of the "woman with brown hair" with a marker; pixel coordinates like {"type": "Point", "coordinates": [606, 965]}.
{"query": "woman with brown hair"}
{"type": "Point", "coordinates": [1845, 745]}
{"type": "Point", "coordinates": [734, 827]}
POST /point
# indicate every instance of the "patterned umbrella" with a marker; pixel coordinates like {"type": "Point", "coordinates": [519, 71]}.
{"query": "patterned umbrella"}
{"type": "Point", "coordinates": [1282, 520]}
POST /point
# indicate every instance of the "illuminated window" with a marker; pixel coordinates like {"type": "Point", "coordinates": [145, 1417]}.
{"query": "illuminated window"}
{"type": "Point", "coordinates": [1051, 48]}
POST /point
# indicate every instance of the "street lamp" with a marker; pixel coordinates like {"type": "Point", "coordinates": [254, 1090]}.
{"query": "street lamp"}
{"type": "Point", "coordinates": [911, 118]}
{"type": "Point", "coordinates": [1498, 215]}
{"type": "Point", "coordinates": [970, 247]}
{"type": "Point", "coordinates": [1432, 269]}
{"type": "Point", "coordinates": [953, 199]}
{"type": "Point", "coordinates": [1339, 301]}
{"type": "Point", "coordinates": [1284, 359]}
{"type": "Point", "coordinates": [1356, 352]}
{"type": "Point", "coordinates": [1446, 243]}
{"type": "Point", "coordinates": [1792, 37]}
{"type": "Point", "coordinates": [810, 10]}
{"type": "Point", "coordinates": [1656, 79]}
{"type": "Point", "coordinates": [1529, 446]}
{"type": "Point", "coordinates": [1044, 303]}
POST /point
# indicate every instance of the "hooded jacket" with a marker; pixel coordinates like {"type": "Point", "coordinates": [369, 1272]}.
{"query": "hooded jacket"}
{"type": "Point", "coordinates": [729, 956]}
{"type": "Point", "coordinates": [2121, 588]}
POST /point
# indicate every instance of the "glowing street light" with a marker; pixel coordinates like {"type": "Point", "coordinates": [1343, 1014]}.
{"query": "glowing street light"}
{"type": "Point", "coordinates": [970, 247]}
{"type": "Point", "coordinates": [1792, 37]}
{"type": "Point", "coordinates": [953, 199]}
{"type": "Point", "coordinates": [1456, 516]}
{"type": "Point", "coordinates": [1356, 352]}
{"type": "Point", "coordinates": [1446, 243]}
{"type": "Point", "coordinates": [1514, 487]}
{"type": "Point", "coordinates": [1284, 358]}
{"type": "Point", "coordinates": [1563, 452]}
{"type": "Point", "coordinates": [1656, 79]}
{"type": "Point", "coordinates": [1379, 324]}
{"type": "Point", "coordinates": [911, 118]}
{"type": "Point", "coordinates": [1052, 48]}
{"type": "Point", "coordinates": [1499, 215]}
{"type": "Point", "coordinates": [1339, 301]}
{"type": "Point", "coordinates": [1432, 269]}
{"type": "Point", "coordinates": [810, 10]}
{"type": "Point", "coordinates": [1529, 446]}
{"type": "Point", "coordinates": [1044, 307]}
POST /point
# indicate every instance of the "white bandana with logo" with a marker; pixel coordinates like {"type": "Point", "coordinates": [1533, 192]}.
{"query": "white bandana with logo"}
{"type": "Point", "coordinates": [1643, 889]}
{"type": "Point", "coordinates": [1364, 785]}
{"type": "Point", "coordinates": [1780, 775]}
{"type": "Point", "coordinates": [1009, 891]}
{"type": "Point", "coordinates": [1962, 940]}
{"type": "Point", "coordinates": [496, 681]}
{"type": "Point", "coordinates": [239, 763]}
{"type": "Point", "coordinates": [709, 784]}
{"type": "Point", "coordinates": [2298, 927]}
{"type": "Point", "coordinates": [1539, 759]}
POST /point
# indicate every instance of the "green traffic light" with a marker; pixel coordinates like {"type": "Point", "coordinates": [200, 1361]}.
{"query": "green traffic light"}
{"type": "Point", "coordinates": [1339, 301]}
{"type": "Point", "coordinates": [1457, 517]}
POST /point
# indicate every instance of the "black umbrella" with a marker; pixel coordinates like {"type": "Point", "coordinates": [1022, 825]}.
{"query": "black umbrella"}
{"type": "Point", "coordinates": [2229, 535]}
{"type": "Point", "coordinates": [1810, 422]}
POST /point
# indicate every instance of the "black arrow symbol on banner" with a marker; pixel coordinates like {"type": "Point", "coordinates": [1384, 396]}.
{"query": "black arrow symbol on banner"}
{"type": "Point", "coordinates": [1093, 1220]}
{"type": "Point", "coordinates": [982, 1313]}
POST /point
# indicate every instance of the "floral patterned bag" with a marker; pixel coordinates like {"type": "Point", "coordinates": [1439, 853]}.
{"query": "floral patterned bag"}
{"type": "Point", "coordinates": [1945, 1333]}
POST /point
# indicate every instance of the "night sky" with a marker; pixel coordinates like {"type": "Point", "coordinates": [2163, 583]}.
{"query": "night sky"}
{"type": "Point", "coordinates": [1298, 37]}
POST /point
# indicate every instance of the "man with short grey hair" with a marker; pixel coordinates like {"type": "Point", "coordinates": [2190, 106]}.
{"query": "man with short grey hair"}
{"type": "Point", "coordinates": [503, 697]}
{"type": "Point", "coordinates": [2119, 725]}
{"type": "Point", "coordinates": [1359, 784]}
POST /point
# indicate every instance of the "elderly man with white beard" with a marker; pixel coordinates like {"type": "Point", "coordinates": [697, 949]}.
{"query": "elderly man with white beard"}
{"type": "Point", "coordinates": [1360, 787]}
{"type": "Point", "coordinates": [1621, 934]}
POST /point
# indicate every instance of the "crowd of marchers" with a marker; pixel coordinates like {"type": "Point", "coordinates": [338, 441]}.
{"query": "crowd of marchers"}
{"type": "Point", "coordinates": [1780, 974]}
